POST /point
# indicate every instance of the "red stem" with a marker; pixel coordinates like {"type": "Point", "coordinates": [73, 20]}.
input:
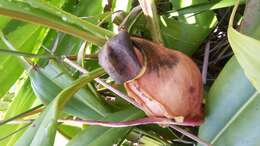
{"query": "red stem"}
{"type": "Point", "coordinates": [137, 122]}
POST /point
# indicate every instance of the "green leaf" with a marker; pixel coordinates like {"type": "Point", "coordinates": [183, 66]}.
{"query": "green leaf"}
{"type": "Point", "coordinates": [47, 82]}
{"type": "Point", "coordinates": [43, 129]}
{"type": "Point", "coordinates": [99, 136]}
{"type": "Point", "coordinates": [69, 131]}
{"type": "Point", "coordinates": [10, 67]}
{"type": "Point", "coordinates": [86, 8]}
{"type": "Point", "coordinates": [231, 89]}
{"type": "Point", "coordinates": [244, 121]}
{"type": "Point", "coordinates": [237, 124]}
{"type": "Point", "coordinates": [183, 37]}
{"type": "Point", "coordinates": [25, 38]}
{"type": "Point", "coordinates": [187, 32]}
{"type": "Point", "coordinates": [205, 6]}
{"type": "Point", "coordinates": [43, 13]}
{"type": "Point", "coordinates": [201, 19]}
{"type": "Point", "coordinates": [23, 101]}
{"type": "Point", "coordinates": [247, 52]}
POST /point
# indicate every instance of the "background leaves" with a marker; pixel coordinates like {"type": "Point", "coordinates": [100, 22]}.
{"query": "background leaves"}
{"type": "Point", "coordinates": [42, 131]}
{"type": "Point", "coordinates": [237, 121]}
{"type": "Point", "coordinates": [185, 27]}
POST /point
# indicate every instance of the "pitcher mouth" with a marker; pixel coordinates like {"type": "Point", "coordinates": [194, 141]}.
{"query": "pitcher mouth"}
{"type": "Point", "coordinates": [118, 58]}
{"type": "Point", "coordinates": [142, 59]}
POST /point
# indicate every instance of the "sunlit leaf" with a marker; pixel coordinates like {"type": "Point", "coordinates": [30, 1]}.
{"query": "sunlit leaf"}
{"type": "Point", "coordinates": [247, 52]}
{"type": "Point", "coordinates": [43, 13]}
{"type": "Point", "coordinates": [197, 8]}
{"type": "Point", "coordinates": [10, 67]}
{"type": "Point", "coordinates": [186, 33]}
{"type": "Point", "coordinates": [23, 101]}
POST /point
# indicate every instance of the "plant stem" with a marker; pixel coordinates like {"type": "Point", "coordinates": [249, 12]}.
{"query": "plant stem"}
{"type": "Point", "coordinates": [48, 56]}
{"type": "Point", "coordinates": [12, 48]}
{"type": "Point", "coordinates": [150, 11]}
{"type": "Point", "coordinates": [164, 122]}
{"type": "Point", "coordinates": [137, 122]}
{"type": "Point", "coordinates": [205, 63]}
{"type": "Point", "coordinates": [86, 57]}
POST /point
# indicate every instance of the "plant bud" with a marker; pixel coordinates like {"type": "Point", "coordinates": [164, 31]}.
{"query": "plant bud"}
{"type": "Point", "coordinates": [168, 83]}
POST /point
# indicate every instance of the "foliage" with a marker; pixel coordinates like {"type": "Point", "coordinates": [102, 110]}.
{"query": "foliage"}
{"type": "Point", "coordinates": [37, 36]}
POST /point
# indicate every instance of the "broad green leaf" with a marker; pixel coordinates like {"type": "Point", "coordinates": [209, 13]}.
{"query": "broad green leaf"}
{"type": "Point", "coordinates": [23, 101]}
{"type": "Point", "coordinates": [181, 36]}
{"type": "Point", "coordinates": [202, 19]}
{"type": "Point", "coordinates": [43, 129]}
{"type": "Point", "coordinates": [189, 31]}
{"type": "Point", "coordinates": [47, 82]}
{"type": "Point", "coordinates": [245, 121]}
{"type": "Point", "coordinates": [247, 52]}
{"type": "Point", "coordinates": [43, 13]}
{"type": "Point", "coordinates": [99, 136]}
{"type": "Point", "coordinates": [231, 89]}
{"type": "Point", "coordinates": [205, 6]}
{"type": "Point", "coordinates": [239, 95]}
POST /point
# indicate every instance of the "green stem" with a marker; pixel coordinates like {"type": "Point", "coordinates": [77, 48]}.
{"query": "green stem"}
{"type": "Point", "coordinates": [24, 54]}
{"type": "Point", "coordinates": [26, 62]}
